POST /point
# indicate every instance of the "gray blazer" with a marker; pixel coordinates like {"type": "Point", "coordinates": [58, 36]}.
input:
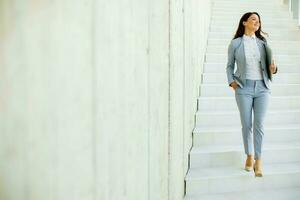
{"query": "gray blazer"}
{"type": "Point", "coordinates": [236, 53]}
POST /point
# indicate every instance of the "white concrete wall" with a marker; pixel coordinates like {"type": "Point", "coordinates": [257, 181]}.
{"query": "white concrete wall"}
{"type": "Point", "coordinates": [189, 30]}
{"type": "Point", "coordinates": [97, 98]}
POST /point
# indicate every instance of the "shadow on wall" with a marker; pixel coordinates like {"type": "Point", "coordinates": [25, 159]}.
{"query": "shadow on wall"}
{"type": "Point", "coordinates": [7, 28]}
{"type": "Point", "coordinates": [3, 34]}
{"type": "Point", "coordinates": [3, 194]}
{"type": "Point", "coordinates": [5, 20]}
{"type": "Point", "coordinates": [9, 20]}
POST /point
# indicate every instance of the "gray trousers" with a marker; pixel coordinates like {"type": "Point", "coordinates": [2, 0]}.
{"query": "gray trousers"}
{"type": "Point", "coordinates": [253, 96]}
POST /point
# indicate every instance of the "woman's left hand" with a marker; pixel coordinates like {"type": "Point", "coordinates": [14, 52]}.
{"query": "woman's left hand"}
{"type": "Point", "coordinates": [273, 67]}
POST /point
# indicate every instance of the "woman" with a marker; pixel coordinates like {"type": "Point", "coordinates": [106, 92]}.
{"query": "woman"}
{"type": "Point", "coordinates": [251, 84]}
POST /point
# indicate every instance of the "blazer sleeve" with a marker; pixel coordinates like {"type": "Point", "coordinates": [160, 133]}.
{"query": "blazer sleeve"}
{"type": "Point", "coordinates": [230, 63]}
{"type": "Point", "coordinates": [272, 58]}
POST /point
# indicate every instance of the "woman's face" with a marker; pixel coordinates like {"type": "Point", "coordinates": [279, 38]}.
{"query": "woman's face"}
{"type": "Point", "coordinates": [252, 24]}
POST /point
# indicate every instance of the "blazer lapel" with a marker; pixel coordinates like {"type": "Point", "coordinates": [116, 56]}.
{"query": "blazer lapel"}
{"type": "Point", "coordinates": [241, 53]}
{"type": "Point", "coordinates": [261, 47]}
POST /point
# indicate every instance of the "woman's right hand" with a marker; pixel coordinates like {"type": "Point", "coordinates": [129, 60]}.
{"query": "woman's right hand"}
{"type": "Point", "coordinates": [234, 85]}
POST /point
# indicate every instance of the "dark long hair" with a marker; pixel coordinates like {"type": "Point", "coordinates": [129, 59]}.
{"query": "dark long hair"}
{"type": "Point", "coordinates": [241, 29]}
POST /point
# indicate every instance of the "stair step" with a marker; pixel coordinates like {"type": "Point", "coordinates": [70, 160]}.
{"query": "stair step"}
{"type": "Point", "coordinates": [268, 29]}
{"type": "Point", "coordinates": [233, 136]}
{"type": "Point", "coordinates": [243, 9]}
{"type": "Point", "coordinates": [262, 12]}
{"type": "Point", "coordinates": [276, 48]}
{"type": "Point", "coordinates": [290, 193]}
{"type": "Point", "coordinates": [238, 15]}
{"type": "Point", "coordinates": [281, 59]}
{"type": "Point", "coordinates": [222, 43]}
{"type": "Point", "coordinates": [283, 78]}
{"type": "Point", "coordinates": [234, 179]}
{"type": "Point", "coordinates": [213, 67]}
{"type": "Point", "coordinates": [233, 155]}
{"type": "Point", "coordinates": [234, 23]}
{"type": "Point", "coordinates": [219, 90]}
{"type": "Point", "coordinates": [253, 2]}
{"type": "Point", "coordinates": [256, 2]}
{"type": "Point", "coordinates": [236, 4]}
{"type": "Point", "coordinates": [226, 42]}
{"type": "Point", "coordinates": [235, 19]}
{"type": "Point", "coordinates": [214, 104]}
{"type": "Point", "coordinates": [274, 37]}
{"type": "Point", "coordinates": [232, 118]}
{"type": "Point", "coordinates": [250, 5]}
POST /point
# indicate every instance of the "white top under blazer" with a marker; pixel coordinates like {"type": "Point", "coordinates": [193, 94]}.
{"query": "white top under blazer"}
{"type": "Point", "coordinates": [253, 70]}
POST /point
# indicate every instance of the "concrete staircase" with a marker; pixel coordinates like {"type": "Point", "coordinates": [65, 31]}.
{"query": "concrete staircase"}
{"type": "Point", "coordinates": [217, 156]}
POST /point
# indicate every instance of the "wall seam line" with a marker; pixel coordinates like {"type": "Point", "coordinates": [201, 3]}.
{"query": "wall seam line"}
{"type": "Point", "coordinates": [94, 102]}
{"type": "Point", "coordinates": [169, 96]}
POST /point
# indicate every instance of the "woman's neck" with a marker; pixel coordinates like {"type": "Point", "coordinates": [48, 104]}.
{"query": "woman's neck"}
{"type": "Point", "coordinates": [249, 33]}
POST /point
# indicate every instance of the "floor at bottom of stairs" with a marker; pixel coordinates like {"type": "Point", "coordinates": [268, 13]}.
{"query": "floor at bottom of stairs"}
{"type": "Point", "coordinates": [274, 194]}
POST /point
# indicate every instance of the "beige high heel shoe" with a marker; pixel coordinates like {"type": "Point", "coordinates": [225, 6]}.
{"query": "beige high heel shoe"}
{"type": "Point", "coordinates": [257, 170]}
{"type": "Point", "coordinates": [249, 163]}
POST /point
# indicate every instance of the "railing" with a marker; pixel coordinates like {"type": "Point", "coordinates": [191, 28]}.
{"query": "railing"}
{"type": "Point", "coordinates": [294, 7]}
